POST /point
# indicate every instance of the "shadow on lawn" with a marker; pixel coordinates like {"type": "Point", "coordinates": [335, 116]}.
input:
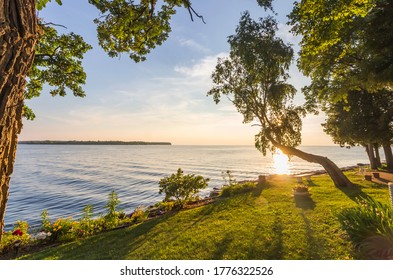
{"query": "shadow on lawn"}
{"type": "Point", "coordinates": [355, 192]}
{"type": "Point", "coordinates": [275, 248]}
{"type": "Point", "coordinates": [304, 202]}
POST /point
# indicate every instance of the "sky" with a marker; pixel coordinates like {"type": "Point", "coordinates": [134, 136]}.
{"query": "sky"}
{"type": "Point", "coordinates": [163, 98]}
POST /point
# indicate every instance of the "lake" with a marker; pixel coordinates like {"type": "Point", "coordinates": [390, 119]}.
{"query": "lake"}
{"type": "Point", "coordinates": [64, 178]}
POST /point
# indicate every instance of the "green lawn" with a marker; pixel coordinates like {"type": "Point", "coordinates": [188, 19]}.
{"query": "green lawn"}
{"type": "Point", "coordinates": [267, 224]}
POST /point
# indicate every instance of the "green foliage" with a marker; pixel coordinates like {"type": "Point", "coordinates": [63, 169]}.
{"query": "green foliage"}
{"type": "Point", "coordinates": [182, 187]}
{"type": "Point", "coordinates": [165, 206]}
{"type": "Point", "coordinates": [58, 62]}
{"type": "Point", "coordinates": [40, 4]}
{"type": "Point", "coordinates": [346, 45]}
{"type": "Point", "coordinates": [87, 226]}
{"type": "Point", "coordinates": [236, 189]}
{"type": "Point", "coordinates": [45, 221]}
{"type": "Point", "coordinates": [112, 214]}
{"type": "Point", "coordinates": [361, 119]}
{"type": "Point", "coordinates": [370, 226]}
{"type": "Point", "coordinates": [139, 215]}
{"type": "Point", "coordinates": [255, 76]}
{"type": "Point", "coordinates": [134, 28]}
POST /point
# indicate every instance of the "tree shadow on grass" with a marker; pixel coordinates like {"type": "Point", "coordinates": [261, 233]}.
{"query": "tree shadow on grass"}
{"type": "Point", "coordinates": [354, 193]}
{"type": "Point", "coordinates": [305, 202]}
{"type": "Point", "coordinates": [313, 244]}
{"type": "Point", "coordinates": [260, 187]}
{"type": "Point", "coordinates": [221, 248]}
{"type": "Point", "coordinates": [274, 250]}
{"type": "Point", "coordinates": [115, 244]}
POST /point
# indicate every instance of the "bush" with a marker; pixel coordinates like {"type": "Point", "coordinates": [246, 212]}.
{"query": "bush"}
{"type": "Point", "coordinates": [232, 190]}
{"type": "Point", "coordinates": [16, 238]}
{"type": "Point", "coordinates": [182, 187]}
{"type": "Point", "coordinates": [370, 226]}
{"type": "Point", "coordinates": [139, 215]}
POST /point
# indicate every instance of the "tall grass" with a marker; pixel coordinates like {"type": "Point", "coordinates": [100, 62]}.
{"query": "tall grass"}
{"type": "Point", "coordinates": [370, 226]}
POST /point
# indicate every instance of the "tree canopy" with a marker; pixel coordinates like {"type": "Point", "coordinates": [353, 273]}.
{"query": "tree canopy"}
{"type": "Point", "coordinates": [362, 119]}
{"type": "Point", "coordinates": [346, 45]}
{"type": "Point", "coordinates": [254, 77]}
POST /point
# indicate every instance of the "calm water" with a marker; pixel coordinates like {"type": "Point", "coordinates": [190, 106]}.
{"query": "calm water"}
{"type": "Point", "coordinates": [64, 178]}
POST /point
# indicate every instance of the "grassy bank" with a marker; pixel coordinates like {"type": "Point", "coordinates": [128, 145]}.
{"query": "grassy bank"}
{"type": "Point", "coordinates": [268, 223]}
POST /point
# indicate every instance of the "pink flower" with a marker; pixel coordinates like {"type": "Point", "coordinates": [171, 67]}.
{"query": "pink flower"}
{"type": "Point", "coordinates": [17, 232]}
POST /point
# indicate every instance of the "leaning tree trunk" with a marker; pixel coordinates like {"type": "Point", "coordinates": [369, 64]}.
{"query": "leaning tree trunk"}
{"type": "Point", "coordinates": [387, 148]}
{"type": "Point", "coordinates": [18, 25]}
{"type": "Point", "coordinates": [335, 173]}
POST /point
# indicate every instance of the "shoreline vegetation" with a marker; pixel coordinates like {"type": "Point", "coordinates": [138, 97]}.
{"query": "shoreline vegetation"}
{"type": "Point", "coordinates": [245, 220]}
{"type": "Point", "coordinates": [76, 142]}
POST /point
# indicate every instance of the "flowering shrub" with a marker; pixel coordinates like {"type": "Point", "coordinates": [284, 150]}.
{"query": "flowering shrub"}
{"type": "Point", "coordinates": [139, 215]}
{"type": "Point", "coordinates": [18, 237]}
{"type": "Point", "coordinates": [67, 229]}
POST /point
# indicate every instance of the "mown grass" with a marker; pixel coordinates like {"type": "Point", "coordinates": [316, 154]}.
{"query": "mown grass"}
{"type": "Point", "coordinates": [268, 223]}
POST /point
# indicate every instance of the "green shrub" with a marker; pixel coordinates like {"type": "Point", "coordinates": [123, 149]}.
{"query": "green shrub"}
{"type": "Point", "coordinates": [370, 226]}
{"type": "Point", "coordinates": [239, 188]}
{"type": "Point", "coordinates": [182, 187]}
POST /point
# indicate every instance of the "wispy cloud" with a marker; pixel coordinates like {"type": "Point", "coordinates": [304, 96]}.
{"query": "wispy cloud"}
{"type": "Point", "coordinates": [202, 68]}
{"type": "Point", "coordinates": [189, 43]}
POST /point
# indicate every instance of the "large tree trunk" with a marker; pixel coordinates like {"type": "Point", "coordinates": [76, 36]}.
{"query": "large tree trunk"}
{"type": "Point", "coordinates": [371, 156]}
{"type": "Point", "coordinates": [387, 148]}
{"type": "Point", "coordinates": [335, 173]}
{"type": "Point", "coordinates": [377, 156]}
{"type": "Point", "coordinates": [18, 25]}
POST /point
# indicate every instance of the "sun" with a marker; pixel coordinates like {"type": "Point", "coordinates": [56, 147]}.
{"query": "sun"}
{"type": "Point", "coordinates": [280, 162]}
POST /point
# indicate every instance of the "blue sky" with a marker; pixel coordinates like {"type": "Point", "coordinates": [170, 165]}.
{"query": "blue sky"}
{"type": "Point", "coordinates": [164, 98]}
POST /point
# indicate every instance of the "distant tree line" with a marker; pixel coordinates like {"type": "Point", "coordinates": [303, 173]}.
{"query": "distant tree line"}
{"type": "Point", "coordinates": [74, 142]}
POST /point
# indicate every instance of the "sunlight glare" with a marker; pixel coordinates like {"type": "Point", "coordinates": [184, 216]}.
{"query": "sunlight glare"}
{"type": "Point", "coordinates": [281, 165]}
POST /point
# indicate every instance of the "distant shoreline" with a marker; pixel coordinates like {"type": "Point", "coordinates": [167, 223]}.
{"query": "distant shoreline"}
{"type": "Point", "coordinates": [75, 142]}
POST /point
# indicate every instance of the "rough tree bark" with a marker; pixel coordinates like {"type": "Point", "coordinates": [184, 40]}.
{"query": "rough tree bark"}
{"type": "Point", "coordinates": [18, 35]}
{"type": "Point", "coordinates": [371, 156]}
{"type": "Point", "coordinates": [335, 173]}
{"type": "Point", "coordinates": [387, 148]}
{"type": "Point", "coordinates": [377, 156]}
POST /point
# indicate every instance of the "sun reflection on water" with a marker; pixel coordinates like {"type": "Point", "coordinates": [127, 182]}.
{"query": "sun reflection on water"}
{"type": "Point", "coordinates": [281, 164]}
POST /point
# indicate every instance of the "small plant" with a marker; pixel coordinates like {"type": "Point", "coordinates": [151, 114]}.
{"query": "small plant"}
{"type": "Point", "coordinates": [45, 222]}
{"type": "Point", "coordinates": [164, 206]}
{"type": "Point", "coordinates": [182, 187]}
{"type": "Point", "coordinates": [232, 190]}
{"type": "Point", "coordinates": [112, 217]}
{"type": "Point", "coordinates": [228, 177]}
{"type": "Point", "coordinates": [86, 224]}
{"type": "Point", "coordinates": [139, 215]}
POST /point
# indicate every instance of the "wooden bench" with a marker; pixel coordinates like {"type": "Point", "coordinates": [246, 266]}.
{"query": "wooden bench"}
{"type": "Point", "coordinates": [300, 177]}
